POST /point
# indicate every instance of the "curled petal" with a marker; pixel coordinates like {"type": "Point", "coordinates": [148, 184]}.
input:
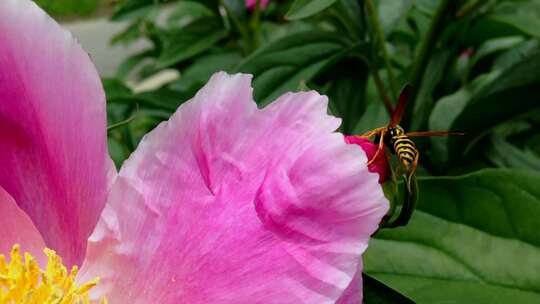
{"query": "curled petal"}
{"type": "Point", "coordinates": [226, 203]}
{"type": "Point", "coordinates": [52, 128]}
{"type": "Point", "coordinates": [17, 228]}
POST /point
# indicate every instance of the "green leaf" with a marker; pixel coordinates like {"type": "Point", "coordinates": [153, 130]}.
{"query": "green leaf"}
{"type": "Point", "coordinates": [236, 7]}
{"type": "Point", "coordinates": [513, 92]}
{"type": "Point", "coordinates": [426, 7]}
{"type": "Point", "coordinates": [115, 88]}
{"type": "Point", "coordinates": [187, 10]}
{"type": "Point", "coordinates": [184, 43]}
{"type": "Point", "coordinates": [522, 15]}
{"type": "Point", "coordinates": [375, 114]}
{"type": "Point", "coordinates": [272, 31]}
{"type": "Point", "coordinates": [486, 28]}
{"type": "Point", "coordinates": [128, 35]}
{"type": "Point", "coordinates": [204, 67]}
{"type": "Point", "coordinates": [391, 13]}
{"type": "Point", "coordinates": [345, 17]}
{"type": "Point", "coordinates": [128, 64]}
{"type": "Point", "coordinates": [516, 54]}
{"type": "Point", "coordinates": [198, 73]}
{"type": "Point", "coordinates": [506, 155]}
{"type": "Point", "coordinates": [375, 292]}
{"type": "Point", "coordinates": [164, 99]}
{"type": "Point", "coordinates": [132, 9]}
{"type": "Point", "coordinates": [449, 107]}
{"type": "Point", "coordinates": [495, 45]}
{"type": "Point", "coordinates": [116, 152]}
{"type": "Point", "coordinates": [304, 8]}
{"type": "Point", "coordinates": [473, 239]}
{"type": "Point", "coordinates": [432, 77]}
{"type": "Point", "coordinates": [283, 64]}
{"type": "Point", "coordinates": [63, 8]}
{"type": "Point", "coordinates": [347, 91]}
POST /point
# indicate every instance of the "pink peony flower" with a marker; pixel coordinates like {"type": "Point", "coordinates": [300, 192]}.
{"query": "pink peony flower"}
{"type": "Point", "coordinates": [250, 4]}
{"type": "Point", "coordinates": [224, 203]}
{"type": "Point", "coordinates": [379, 165]}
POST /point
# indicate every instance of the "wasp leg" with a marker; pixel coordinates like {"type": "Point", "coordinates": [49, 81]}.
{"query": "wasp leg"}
{"type": "Point", "coordinates": [409, 204]}
{"type": "Point", "coordinates": [409, 200]}
{"type": "Point", "coordinates": [373, 132]}
{"type": "Point", "coordinates": [411, 194]}
{"type": "Point", "coordinates": [379, 149]}
{"type": "Point", "coordinates": [411, 170]}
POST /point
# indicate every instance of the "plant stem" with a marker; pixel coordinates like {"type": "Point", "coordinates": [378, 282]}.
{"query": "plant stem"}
{"type": "Point", "coordinates": [236, 23]}
{"type": "Point", "coordinates": [125, 121]}
{"type": "Point", "coordinates": [424, 53]}
{"type": "Point", "coordinates": [380, 87]}
{"type": "Point", "coordinates": [380, 40]}
{"type": "Point", "coordinates": [255, 26]}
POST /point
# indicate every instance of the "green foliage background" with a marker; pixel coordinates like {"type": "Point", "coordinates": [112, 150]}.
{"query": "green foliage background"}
{"type": "Point", "coordinates": [474, 66]}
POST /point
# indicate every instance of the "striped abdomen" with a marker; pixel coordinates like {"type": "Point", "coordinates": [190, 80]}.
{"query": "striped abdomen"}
{"type": "Point", "coordinates": [405, 149]}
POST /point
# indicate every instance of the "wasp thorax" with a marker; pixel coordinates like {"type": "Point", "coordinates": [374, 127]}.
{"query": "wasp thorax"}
{"type": "Point", "coordinates": [396, 131]}
{"type": "Point", "coordinates": [393, 133]}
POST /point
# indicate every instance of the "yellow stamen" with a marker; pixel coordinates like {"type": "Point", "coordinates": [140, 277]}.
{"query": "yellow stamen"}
{"type": "Point", "coordinates": [23, 281]}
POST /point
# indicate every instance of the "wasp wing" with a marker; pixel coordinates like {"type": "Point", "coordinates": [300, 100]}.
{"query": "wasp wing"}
{"type": "Point", "coordinates": [402, 103]}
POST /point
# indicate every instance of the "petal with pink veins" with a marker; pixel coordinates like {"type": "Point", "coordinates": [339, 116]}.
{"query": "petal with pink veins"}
{"type": "Point", "coordinates": [52, 128]}
{"type": "Point", "coordinates": [354, 292]}
{"type": "Point", "coordinates": [226, 203]}
{"type": "Point", "coordinates": [17, 228]}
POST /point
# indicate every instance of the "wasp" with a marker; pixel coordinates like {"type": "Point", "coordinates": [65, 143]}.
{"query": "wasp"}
{"type": "Point", "coordinates": [394, 138]}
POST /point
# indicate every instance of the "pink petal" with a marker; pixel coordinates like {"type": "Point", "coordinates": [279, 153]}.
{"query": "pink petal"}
{"type": "Point", "coordinates": [52, 128]}
{"type": "Point", "coordinates": [226, 203]}
{"type": "Point", "coordinates": [353, 294]}
{"type": "Point", "coordinates": [17, 228]}
{"type": "Point", "coordinates": [380, 165]}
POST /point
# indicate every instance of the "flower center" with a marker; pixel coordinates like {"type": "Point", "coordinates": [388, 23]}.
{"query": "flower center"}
{"type": "Point", "coordinates": [23, 281]}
